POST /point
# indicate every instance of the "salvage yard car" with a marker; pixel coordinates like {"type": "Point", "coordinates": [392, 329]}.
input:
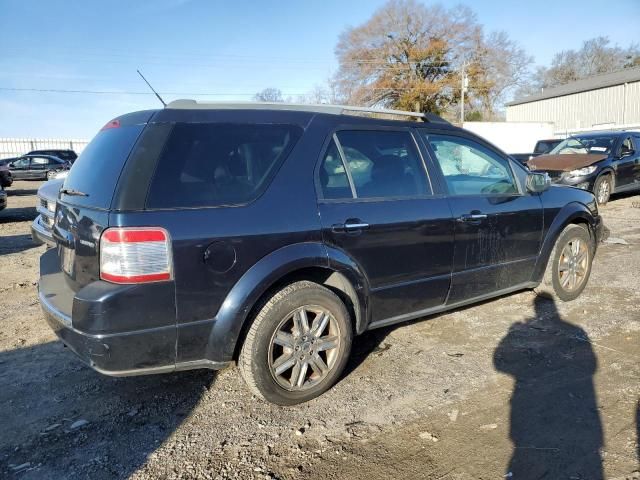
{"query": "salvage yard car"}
{"type": "Point", "coordinates": [37, 167]}
{"type": "Point", "coordinates": [600, 162]}
{"type": "Point", "coordinates": [272, 234]}
{"type": "Point", "coordinates": [46, 208]}
{"type": "Point", "coordinates": [6, 180]}
{"type": "Point", "coordinates": [542, 147]}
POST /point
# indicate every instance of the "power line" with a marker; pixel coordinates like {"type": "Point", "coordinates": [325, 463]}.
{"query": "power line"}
{"type": "Point", "coordinates": [187, 94]}
{"type": "Point", "coordinates": [116, 92]}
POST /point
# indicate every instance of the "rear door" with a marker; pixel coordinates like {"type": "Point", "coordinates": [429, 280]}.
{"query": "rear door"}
{"type": "Point", "coordinates": [498, 225]}
{"type": "Point", "coordinates": [376, 204]}
{"type": "Point", "coordinates": [38, 167]}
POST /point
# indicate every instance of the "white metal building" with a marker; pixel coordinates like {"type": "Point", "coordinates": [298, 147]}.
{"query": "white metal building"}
{"type": "Point", "coordinates": [604, 101]}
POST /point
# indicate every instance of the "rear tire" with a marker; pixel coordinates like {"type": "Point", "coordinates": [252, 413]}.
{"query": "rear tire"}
{"type": "Point", "coordinates": [298, 344]}
{"type": "Point", "coordinates": [602, 189]}
{"type": "Point", "coordinates": [569, 265]}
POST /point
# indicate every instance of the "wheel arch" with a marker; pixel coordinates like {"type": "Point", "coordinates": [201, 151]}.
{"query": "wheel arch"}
{"type": "Point", "coordinates": [572, 213]}
{"type": "Point", "coordinates": [305, 261]}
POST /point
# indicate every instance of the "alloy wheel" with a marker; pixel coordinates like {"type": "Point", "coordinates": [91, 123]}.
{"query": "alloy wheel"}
{"type": "Point", "coordinates": [304, 348]}
{"type": "Point", "coordinates": [603, 192]}
{"type": "Point", "coordinates": [573, 264]}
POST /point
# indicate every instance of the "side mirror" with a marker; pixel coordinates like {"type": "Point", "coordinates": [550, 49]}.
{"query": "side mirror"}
{"type": "Point", "coordinates": [538, 182]}
{"type": "Point", "coordinates": [626, 152]}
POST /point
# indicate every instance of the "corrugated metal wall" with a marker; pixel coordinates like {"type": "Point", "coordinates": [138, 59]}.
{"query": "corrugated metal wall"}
{"type": "Point", "coordinates": [611, 105]}
{"type": "Point", "coordinates": [14, 147]}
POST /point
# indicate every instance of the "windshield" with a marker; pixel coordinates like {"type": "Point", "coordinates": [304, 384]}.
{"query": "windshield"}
{"type": "Point", "coordinates": [587, 144]}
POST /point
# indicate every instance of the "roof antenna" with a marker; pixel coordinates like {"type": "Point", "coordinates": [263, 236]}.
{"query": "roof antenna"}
{"type": "Point", "coordinates": [157, 95]}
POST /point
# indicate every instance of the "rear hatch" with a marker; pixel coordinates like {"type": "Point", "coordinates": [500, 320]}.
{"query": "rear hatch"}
{"type": "Point", "coordinates": [83, 206]}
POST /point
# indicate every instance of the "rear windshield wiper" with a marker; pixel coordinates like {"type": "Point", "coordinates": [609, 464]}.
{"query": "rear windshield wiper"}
{"type": "Point", "coordinates": [71, 191]}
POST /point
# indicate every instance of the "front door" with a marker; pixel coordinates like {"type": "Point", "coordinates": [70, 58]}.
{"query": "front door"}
{"type": "Point", "coordinates": [376, 205]}
{"type": "Point", "coordinates": [20, 168]}
{"type": "Point", "coordinates": [498, 225]}
{"type": "Point", "coordinates": [627, 164]}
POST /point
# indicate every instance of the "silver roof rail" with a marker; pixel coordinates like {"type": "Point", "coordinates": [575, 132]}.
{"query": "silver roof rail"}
{"type": "Point", "coordinates": [300, 107]}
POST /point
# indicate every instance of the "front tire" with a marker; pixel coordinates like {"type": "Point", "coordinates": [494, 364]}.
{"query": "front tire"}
{"type": "Point", "coordinates": [298, 344]}
{"type": "Point", "coordinates": [602, 189]}
{"type": "Point", "coordinates": [569, 265]}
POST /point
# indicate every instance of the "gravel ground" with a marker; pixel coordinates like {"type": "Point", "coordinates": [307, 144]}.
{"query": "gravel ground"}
{"type": "Point", "coordinates": [518, 387]}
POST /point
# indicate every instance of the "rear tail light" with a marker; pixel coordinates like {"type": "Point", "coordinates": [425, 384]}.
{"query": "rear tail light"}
{"type": "Point", "coordinates": [135, 255]}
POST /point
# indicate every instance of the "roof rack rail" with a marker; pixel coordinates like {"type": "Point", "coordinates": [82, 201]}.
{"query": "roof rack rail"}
{"type": "Point", "coordinates": [302, 107]}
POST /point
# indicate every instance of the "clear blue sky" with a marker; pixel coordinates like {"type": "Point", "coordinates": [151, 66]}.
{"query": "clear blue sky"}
{"type": "Point", "coordinates": [230, 48]}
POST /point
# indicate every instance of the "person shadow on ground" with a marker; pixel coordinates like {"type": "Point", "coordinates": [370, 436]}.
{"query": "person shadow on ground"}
{"type": "Point", "coordinates": [555, 425]}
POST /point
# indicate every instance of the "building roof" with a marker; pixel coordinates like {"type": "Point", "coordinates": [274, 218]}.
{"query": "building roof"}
{"type": "Point", "coordinates": [627, 75]}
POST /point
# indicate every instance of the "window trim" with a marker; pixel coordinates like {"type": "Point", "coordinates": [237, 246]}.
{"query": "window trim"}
{"type": "Point", "coordinates": [347, 171]}
{"type": "Point", "coordinates": [428, 132]}
{"type": "Point", "coordinates": [333, 136]}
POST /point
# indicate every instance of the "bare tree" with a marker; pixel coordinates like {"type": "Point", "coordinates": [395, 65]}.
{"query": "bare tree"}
{"type": "Point", "coordinates": [497, 67]}
{"type": "Point", "coordinates": [410, 56]}
{"type": "Point", "coordinates": [269, 95]}
{"type": "Point", "coordinates": [596, 56]}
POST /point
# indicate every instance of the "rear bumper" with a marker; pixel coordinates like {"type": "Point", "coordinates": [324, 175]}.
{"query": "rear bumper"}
{"type": "Point", "coordinates": [136, 351]}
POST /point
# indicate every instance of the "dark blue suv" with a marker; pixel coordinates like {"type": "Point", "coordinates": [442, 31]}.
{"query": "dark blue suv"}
{"type": "Point", "coordinates": [271, 235]}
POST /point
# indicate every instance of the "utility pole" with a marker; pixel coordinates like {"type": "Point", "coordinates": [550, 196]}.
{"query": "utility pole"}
{"type": "Point", "coordinates": [464, 87]}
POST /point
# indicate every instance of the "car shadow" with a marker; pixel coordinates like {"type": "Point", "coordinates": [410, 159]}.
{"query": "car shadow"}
{"type": "Point", "coordinates": [20, 214]}
{"type": "Point", "coordinates": [21, 192]}
{"type": "Point", "coordinates": [623, 195]}
{"type": "Point", "coordinates": [63, 420]}
{"type": "Point", "coordinates": [555, 425]}
{"type": "Point", "coordinates": [373, 341]}
{"type": "Point", "coordinates": [15, 243]}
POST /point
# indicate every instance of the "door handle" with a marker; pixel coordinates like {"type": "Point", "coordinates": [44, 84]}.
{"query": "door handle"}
{"type": "Point", "coordinates": [472, 217]}
{"type": "Point", "coordinates": [350, 226]}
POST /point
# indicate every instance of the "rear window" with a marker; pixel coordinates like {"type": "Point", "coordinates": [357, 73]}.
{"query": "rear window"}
{"type": "Point", "coordinates": [208, 165]}
{"type": "Point", "coordinates": [97, 169]}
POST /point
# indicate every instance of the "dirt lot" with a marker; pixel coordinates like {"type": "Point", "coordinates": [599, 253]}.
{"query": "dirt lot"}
{"type": "Point", "coordinates": [514, 388]}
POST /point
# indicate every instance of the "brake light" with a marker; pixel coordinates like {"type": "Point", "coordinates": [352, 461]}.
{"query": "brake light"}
{"type": "Point", "coordinates": [135, 255]}
{"type": "Point", "coordinates": [111, 124]}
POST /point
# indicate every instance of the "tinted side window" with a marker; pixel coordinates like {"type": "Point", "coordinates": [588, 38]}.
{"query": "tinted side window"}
{"type": "Point", "coordinates": [333, 178]}
{"type": "Point", "coordinates": [39, 163]}
{"type": "Point", "coordinates": [383, 164]}
{"type": "Point", "coordinates": [627, 144]}
{"type": "Point", "coordinates": [470, 168]}
{"type": "Point", "coordinates": [206, 164]}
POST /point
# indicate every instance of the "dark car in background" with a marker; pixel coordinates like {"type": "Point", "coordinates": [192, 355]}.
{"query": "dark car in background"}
{"type": "Point", "coordinates": [36, 167]}
{"type": "Point", "coordinates": [542, 147]}
{"type": "Point", "coordinates": [3, 198]}
{"type": "Point", "coordinates": [46, 208]}
{"type": "Point", "coordinates": [272, 234]}
{"type": "Point", "coordinates": [6, 180]}
{"type": "Point", "coordinates": [68, 155]}
{"type": "Point", "coordinates": [600, 162]}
